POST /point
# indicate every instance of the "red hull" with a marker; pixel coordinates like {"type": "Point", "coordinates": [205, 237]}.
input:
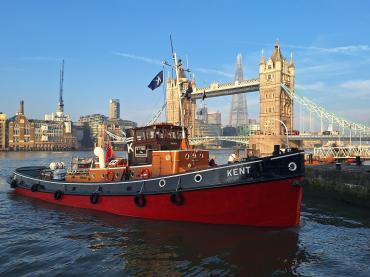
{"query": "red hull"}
{"type": "Point", "coordinates": [270, 204]}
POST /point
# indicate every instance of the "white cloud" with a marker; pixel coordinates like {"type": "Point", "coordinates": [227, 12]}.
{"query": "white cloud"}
{"type": "Point", "coordinates": [318, 86]}
{"type": "Point", "coordinates": [349, 49]}
{"type": "Point", "coordinates": [213, 71]}
{"type": "Point", "coordinates": [42, 58]}
{"type": "Point", "coordinates": [11, 69]}
{"type": "Point", "coordinates": [139, 58]}
{"type": "Point", "coordinates": [363, 85]}
{"type": "Point", "coordinates": [158, 62]}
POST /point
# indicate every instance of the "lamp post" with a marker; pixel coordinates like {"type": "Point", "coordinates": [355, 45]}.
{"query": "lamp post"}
{"type": "Point", "coordinates": [286, 130]}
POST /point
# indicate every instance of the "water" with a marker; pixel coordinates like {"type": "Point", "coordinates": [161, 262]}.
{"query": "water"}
{"type": "Point", "coordinates": [38, 238]}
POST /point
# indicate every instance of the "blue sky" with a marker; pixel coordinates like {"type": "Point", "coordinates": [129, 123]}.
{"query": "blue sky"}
{"type": "Point", "coordinates": [111, 49]}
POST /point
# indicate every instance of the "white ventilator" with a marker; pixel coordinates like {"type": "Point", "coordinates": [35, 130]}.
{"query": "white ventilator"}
{"type": "Point", "coordinates": [53, 166]}
{"type": "Point", "coordinates": [100, 153]}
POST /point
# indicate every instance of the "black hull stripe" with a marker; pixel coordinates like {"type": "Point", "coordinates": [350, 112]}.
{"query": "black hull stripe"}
{"type": "Point", "coordinates": [259, 182]}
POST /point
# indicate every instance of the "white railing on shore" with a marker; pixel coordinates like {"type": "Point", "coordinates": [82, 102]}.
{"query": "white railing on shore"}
{"type": "Point", "coordinates": [343, 152]}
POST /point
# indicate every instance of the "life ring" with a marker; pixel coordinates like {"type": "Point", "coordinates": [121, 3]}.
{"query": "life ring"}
{"type": "Point", "coordinates": [140, 200]}
{"type": "Point", "coordinates": [94, 198]}
{"type": "Point", "coordinates": [58, 194]}
{"type": "Point", "coordinates": [198, 178]}
{"type": "Point", "coordinates": [162, 183]}
{"type": "Point", "coordinates": [177, 198]}
{"type": "Point", "coordinates": [34, 187]}
{"type": "Point", "coordinates": [110, 176]}
{"type": "Point", "coordinates": [292, 166]}
{"type": "Point", "coordinates": [145, 173]}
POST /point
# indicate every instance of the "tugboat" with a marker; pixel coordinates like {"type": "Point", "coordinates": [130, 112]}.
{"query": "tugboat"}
{"type": "Point", "coordinates": [165, 179]}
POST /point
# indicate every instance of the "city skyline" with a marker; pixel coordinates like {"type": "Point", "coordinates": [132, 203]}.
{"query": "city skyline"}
{"type": "Point", "coordinates": [107, 54]}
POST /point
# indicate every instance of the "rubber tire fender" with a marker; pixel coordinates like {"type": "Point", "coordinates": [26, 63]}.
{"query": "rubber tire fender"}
{"type": "Point", "coordinates": [58, 194]}
{"type": "Point", "coordinates": [94, 198]}
{"type": "Point", "coordinates": [13, 184]}
{"type": "Point", "coordinates": [140, 200]}
{"type": "Point", "coordinates": [35, 187]}
{"type": "Point", "coordinates": [177, 198]}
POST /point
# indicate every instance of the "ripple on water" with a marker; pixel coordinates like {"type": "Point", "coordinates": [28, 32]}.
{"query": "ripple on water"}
{"type": "Point", "coordinates": [38, 238]}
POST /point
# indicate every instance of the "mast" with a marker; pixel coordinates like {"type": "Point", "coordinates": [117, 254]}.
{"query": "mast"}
{"type": "Point", "coordinates": [61, 81]}
{"type": "Point", "coordinates": [174, 57]}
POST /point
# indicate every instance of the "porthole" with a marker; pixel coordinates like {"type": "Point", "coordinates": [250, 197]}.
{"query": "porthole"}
{"type": "Point", "coordinates": [117, 174]}
{"type": "Point", "coordinates": [198, 178]}
{"type": "Point", "coordinates": [93, 175]}
{"type": "Point", "coordinates": [103, 175]}
{"type": "Point", "coordinates": [162, 183]}
{"type": "Point", "coordinates": [292, 166]}
{"type": "Point", "coordinates": [189, 165]}
{"type": "Point", "coordinates": [187, 156]}
{"type": "Point", "coordinates": [194, 155]}
{"type": "Point", "coordinates": [201, 155]}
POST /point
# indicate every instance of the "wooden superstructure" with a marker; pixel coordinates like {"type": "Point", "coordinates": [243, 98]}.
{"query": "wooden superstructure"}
{"type": "Point", "coordinates": [155, 150]}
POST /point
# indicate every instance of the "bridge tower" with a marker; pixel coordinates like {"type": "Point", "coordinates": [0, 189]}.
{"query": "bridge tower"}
{"type": "Point", "coordinates": [173, 113]}
{"type": "Point", "coordinates": [275, 105]}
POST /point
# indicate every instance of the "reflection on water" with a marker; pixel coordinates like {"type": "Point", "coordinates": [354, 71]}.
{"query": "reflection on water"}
{"type": "Point", "coordinates": [44, 239]}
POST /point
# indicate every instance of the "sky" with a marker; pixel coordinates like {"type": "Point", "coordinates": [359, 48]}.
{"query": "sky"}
{"type": "Point", "coordinates": [113, 49]}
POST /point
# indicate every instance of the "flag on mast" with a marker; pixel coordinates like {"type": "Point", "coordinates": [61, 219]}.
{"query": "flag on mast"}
{"type": "Point", "coordinates": [157, 81]}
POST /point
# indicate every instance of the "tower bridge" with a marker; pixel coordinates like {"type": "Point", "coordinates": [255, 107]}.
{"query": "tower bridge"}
{"type": "Point", "coordinates": [275, 104]}
{"type": "Point", "coordinates": [277, 96]}
{"type": "Point", "coordinates": [216, 89]}
{"type": "Point", "coordinates": [276, 99]}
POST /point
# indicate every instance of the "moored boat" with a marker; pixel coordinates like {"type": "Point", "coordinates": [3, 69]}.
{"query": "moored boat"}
{"type": "Point", "coordinates": [163, 178]}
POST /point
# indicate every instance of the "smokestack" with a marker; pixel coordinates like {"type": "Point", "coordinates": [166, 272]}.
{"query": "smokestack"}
{"type": "Point", "coordinates": [21, 107]}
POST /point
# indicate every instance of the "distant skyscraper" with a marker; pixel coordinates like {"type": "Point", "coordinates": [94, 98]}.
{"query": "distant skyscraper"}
{"type": "Point", "coordinates": [60, 108]}
{"type": "Point", "coordinates": [214, 118]}
{"type": "Point", "coordinates": [238, 111]}
{"type": "Point", "coordinates": [2, 131]}
{"type": "Point", "coordinates": [114, 109]}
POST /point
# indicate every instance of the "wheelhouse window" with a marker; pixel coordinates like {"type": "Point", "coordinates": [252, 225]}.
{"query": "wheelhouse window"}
{"type": "Point", "coordinates": [172, 134]}
{"type": "Point", "coordinates": [160, 133]}
{"type": "Point", "coordinates": [140, 135]}
{"type": "Point", "coordinates": [150, 134]}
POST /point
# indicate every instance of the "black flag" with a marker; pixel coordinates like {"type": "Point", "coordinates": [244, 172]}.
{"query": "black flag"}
{"type": "Point", "coordinates": [157, 81]}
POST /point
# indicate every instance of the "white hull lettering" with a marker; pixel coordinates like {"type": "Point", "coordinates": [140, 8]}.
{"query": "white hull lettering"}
{"type": "Point", "coordinates": [238, 171]}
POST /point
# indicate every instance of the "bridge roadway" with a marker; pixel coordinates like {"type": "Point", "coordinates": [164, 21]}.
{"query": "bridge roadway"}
{"type": "Point", "coordinates": [207, 139]}
{"type": "Point", "coordinates": [330, 137]}
{"type": "Point", "coordinates": [216, 89]}
{"type": "Point", "coordinates": [245, 139]}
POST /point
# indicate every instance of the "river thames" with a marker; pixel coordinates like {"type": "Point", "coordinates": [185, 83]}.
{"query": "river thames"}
{"type": "Point", "coordinates": [40, 239]}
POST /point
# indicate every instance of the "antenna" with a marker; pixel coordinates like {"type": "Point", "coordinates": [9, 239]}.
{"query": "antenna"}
{"type": "Point", "coordinates": [61, 81]}
{"type": "Point", "coordinates": [173, 56]}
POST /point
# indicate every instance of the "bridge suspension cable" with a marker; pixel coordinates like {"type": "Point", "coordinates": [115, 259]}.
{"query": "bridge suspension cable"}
{"type": "Point", "coordinates": [324, 114]}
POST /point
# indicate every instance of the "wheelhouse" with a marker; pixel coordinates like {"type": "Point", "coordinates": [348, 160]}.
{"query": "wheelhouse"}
{"type": "Point", "coordinates": [151, 138]}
